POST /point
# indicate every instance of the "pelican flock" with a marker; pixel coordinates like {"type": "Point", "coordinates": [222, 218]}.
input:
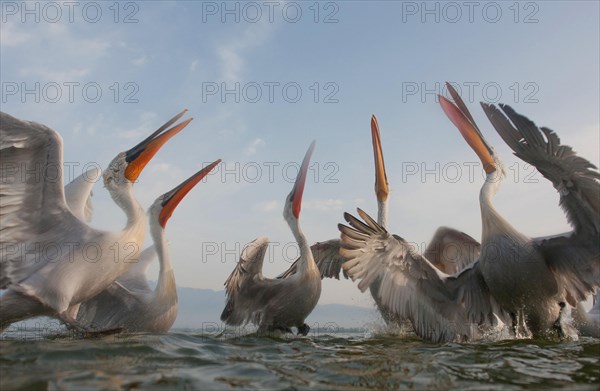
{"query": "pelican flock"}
{"type": "Point", "coordinates": [129, 303]}
{"type": "Point", "coordinates": [53, 263]}
{"type": "Point", "coordinates": [51, 260]}
{"type": "Point", "coordinates": [525, 282]}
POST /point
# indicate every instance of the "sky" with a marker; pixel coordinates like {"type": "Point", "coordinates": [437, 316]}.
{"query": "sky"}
{"type": "Point", "coordinates": [263, 79]}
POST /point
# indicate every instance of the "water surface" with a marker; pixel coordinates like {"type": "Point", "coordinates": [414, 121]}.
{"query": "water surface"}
{"type": "Point", "coordinates": [193, 359]}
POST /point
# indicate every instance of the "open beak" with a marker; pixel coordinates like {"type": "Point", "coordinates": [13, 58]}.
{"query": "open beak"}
{"type": "Point", "coordinates": [138, 156]}
{"type": "Point", "coordinates": [382, 188]}
{"type": "Point", "coordinates": [470, 133]}
{"type": "Point", "coordinates": [298, 190]}
{"type": "Point", "coordinates": [174, 197]}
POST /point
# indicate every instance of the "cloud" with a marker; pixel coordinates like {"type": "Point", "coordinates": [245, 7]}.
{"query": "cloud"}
{"type": "Point", "coordinates": [231, 53]}
{"type": "Point", "coordinates": [253, 147]}
{"type": "Point", "coordinates": [140, 61]}
{"type": "Point", "coordinates": [268, 206]}
{"type": "Point", "coordinates": [58, 76]}
{"type": "Point", "coordinates": [11, 36]}
{"type": "Point", "coordinates": [147, 121]}
{"type": "Point", "coordinates": [324, 204]}
{"type": "Point", "coordinates": [194, 65]}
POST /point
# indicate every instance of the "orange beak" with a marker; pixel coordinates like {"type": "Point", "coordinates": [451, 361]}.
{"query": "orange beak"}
{"type": "Point", "coordinates": [174, 197]}
{"type": "Point", "coordinates": [298, 190]}
{"type": "Point", "coordinates": [138, 156]}
{"type": "Point", "coordinates": [382, 188]}
{"type": "Point", "coordinates": [469, 133]}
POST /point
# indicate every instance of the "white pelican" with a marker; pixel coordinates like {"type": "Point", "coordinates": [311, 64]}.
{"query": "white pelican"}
{"type": "Point", "coordinates": [520, 280]}
{"type": "Point", "coordinates": [51, 261]}
{"type": "Point", "coordinates": [280, 303]}
{"type": "Point", "coordinates": [129, 303]}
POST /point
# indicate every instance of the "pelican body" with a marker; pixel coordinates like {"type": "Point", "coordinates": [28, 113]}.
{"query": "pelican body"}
{"type": "Point", "coordinates": [51, 261]}
{"type": "Point", "coordinates": [129, 303]}
{"type": "Point", "coordinates": [281, 303]}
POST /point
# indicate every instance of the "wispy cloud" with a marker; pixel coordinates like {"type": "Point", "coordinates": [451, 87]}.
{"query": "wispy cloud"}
{"type": "Point", "coordinates": [324, 204]}
{"type": "Point", "coordinates": [268, 206]}
{"type": "Point", "coordinates": [231, 54]}
{"type": "Point", "coordinates": [11, 36]}
{"type": "Point", "coordinates": [253, 147]}
{"type": "Point", "coordinates": [140, 61]}
{"type": "Point", "coordinates": [146, 121]}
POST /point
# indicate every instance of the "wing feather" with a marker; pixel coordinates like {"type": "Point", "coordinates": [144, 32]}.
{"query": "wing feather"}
{"type": "Point", "coordinates": [575, 178]}
{"type": "Point", "coordinates": [412, 288]}
{"type": "Point", "coordinates": [78, 194]}
{"type": "Point", "coordinates": [32, 200]}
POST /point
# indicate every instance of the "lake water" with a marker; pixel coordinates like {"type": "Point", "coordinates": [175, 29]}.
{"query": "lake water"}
{"type": "Point", "coordinates": [361, 359]}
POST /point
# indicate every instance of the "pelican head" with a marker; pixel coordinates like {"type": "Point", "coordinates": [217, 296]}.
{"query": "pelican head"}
{"type": "Point", "coordinates": [293, 204]}
{"type": "Point", "coordinates": [127, 166]}
{"type": "Point", "coordinates": [491, 162]}
{"type": "Point", "coordinates": [163, 207]}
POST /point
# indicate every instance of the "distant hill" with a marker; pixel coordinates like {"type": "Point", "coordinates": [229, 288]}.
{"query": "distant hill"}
{"type": "Point", "coordinates": [201, 309]}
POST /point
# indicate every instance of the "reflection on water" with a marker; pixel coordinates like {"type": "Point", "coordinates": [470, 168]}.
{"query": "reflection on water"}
{"type": "Point", "coordinates": [196, 359]}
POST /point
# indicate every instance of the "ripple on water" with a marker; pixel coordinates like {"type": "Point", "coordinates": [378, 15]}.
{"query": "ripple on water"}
{"type": "Point", "coordinates": [188, 359]}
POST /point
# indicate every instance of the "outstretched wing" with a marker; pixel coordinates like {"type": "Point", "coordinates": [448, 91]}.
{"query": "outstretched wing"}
{"type": "Point", "coordinates": [78, 194]}
{"type": "Point", "coordinates": [451, 250]}
{"type": "Point", "coordinates": [32, 200]}
{"type": "Point", "coordinates": [411, 287]}
{"type": "Point", "coordinates": [327, 257]}
{"type": "Point", "coordinates": [248, 291]}
{"type": "Point", "coordinates": [575, 178]}
{"type": "Point", "coordinates": [574, 257]}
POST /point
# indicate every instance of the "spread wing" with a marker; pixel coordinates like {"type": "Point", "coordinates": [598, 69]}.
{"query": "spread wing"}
{"type": "Point", "coordinates": [451, 250]}
{"type": "Point", "coordinates": [248, 291]}
{"type": "Point", "coordinates": [78, 194]}
{"type": "Point", "coordinates": [575, 178]}
{"type": "Point", "coordinates": [32, 200]}
{"type": "Point", "coordinates": [440, 307]}
{"type": "Point", "coordinates": [327, 257]}
{"type": "Point", "coordinates": [574, 257]}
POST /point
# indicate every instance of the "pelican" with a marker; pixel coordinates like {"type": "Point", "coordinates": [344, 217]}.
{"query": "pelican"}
{"type": "Point", "coordinates": [521, 281]}
{"type": "Point", "coordinates": [51, 261]}
{"type": "Point", "coordinates": [281, 303]}
{"type": "Point", "coordinates": [569, 263]}
{"type": "Point", "coordinates": [449, 250]}
{"type": "Point", "coordinates": [129, 303]}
